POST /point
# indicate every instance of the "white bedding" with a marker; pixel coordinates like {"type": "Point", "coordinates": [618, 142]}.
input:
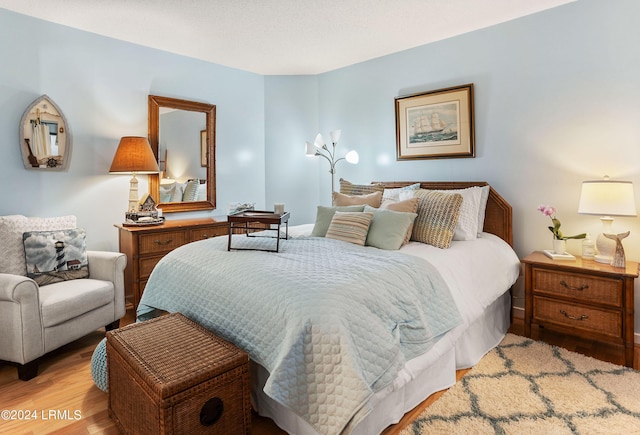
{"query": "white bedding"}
{"type": "Point", "coordinates": [479, 273]}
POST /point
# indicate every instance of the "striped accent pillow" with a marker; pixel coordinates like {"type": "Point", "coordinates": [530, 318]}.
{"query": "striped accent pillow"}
{"type": "Point", "coordinates": [348, 188]}
{"type": "Point", "coordinates": [438, 213]}
{"type": "Point", "coordinates": [350, 227]}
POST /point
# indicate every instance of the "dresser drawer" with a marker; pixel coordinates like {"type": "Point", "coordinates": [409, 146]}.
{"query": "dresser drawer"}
{"type": "Point", "coordinates": [575, 285]}
{"type": "Point", "coordinates": [604, 322]}
{"type": "Point", "coordinates": [165, 241]}
{"type": "Point", "coordinates": [146, 266]}
{"type": "Point", "coordinates": [208, 232]}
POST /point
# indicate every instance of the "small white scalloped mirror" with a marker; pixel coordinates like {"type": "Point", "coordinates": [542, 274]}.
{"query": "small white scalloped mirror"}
{"type": "Point", "coordinates": [45, 137]}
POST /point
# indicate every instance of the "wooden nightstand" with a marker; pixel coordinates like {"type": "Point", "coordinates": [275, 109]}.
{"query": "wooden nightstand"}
{"type": "Point", "coordinates": [582, 298]}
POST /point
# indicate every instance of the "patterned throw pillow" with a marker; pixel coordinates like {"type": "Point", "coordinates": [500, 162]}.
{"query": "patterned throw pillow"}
{"type": "Point", "coordinates": [11, 229]}
{"type": "Point", "coordinates": [371, 199]}
{"type": "Point", "coordinates": [324, 216]}
{"type": "Point", "coordinates": [350, 227]}
{"type": "Point", "coordinates": [438, 214]}
{"type": "Point", "coordinates": [348, 188]}
{"type": "Point", "coordinates": [467, 225]}
{"type": "Point", "coordinates": [191, 190]}
{"type": "Point", "coordinates": [54, 256]}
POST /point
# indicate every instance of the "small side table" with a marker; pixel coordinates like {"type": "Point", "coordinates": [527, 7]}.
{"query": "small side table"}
{"type": "Point", "coordinates": [246, 222]}
{"type": "Point", "coordinates": [581, 298]}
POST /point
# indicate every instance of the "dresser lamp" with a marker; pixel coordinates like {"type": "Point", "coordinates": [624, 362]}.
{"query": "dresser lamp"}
{"type": "Point", "coordinates": [134, 156]}
{"type": "Point", "coordinates": [319, 148]}
{"type": "Point", "coordinates": [607, 198]}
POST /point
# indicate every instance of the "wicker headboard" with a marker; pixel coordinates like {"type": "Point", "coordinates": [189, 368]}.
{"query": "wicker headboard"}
{"type": "Point", "coordinates": [498, 216]}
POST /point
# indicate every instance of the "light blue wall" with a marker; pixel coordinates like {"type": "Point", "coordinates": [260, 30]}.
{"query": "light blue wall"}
{"type": "Point", "coordinates": [102, 85]}
{"type": "Point", "coordinates": [557, 101]}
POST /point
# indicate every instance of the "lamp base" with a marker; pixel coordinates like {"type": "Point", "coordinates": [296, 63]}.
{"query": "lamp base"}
{"type": "Point", "coordinates": [603, 259]}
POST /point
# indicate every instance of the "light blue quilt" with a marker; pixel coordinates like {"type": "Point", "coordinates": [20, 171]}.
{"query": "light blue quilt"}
{"type": "Point", "coordinates": [332, 322]}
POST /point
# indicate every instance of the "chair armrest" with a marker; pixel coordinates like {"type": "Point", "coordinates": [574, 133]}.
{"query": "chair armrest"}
{"type": "Point", "coordinates": [21, 340]}
{"type": "Point", "coordinates": [18, 288]}
{"type": "Point", "coordinates": [109, 266]}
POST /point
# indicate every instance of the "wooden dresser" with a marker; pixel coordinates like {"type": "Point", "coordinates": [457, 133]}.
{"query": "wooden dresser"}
{"type": "Point", "coordinates": [146, 245]}
{"type": "Point", "coordinates": [581, 298]}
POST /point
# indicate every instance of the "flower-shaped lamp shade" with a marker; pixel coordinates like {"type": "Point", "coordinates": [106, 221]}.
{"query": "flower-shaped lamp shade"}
{"type": "Point", "coordinates": [352, 157]}
{"type": "Point", "coordinates": [607, 198]}
{"type": "Point", "coordinates": [310, 149]}
{"type": "Point", "coordinates": [334, 136]}
{"type": "Point", "coordinates": [134, 156]}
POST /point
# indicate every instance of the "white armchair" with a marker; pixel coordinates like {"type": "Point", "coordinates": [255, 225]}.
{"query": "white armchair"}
{"type": "Point", "coordinates": [38, 319]}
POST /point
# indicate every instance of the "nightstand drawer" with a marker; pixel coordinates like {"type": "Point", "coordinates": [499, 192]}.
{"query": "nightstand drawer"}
{"type": "Point", "coordinates": [575, 316]}
{"type": "Point", "coordinates": [162, 241]}
{"type": "Point", "coordinates": [575, 285]}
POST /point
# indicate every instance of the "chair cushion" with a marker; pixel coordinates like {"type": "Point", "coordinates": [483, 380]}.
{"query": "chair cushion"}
{"type": "Point", "coordinates": [11, 229]}
{"type": "Point", "coordinates": [54, 256]}
{"type": "Point", "coordinates": [65, 300]}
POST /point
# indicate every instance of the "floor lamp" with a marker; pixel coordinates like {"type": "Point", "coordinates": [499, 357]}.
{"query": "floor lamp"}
{"type": "Point", "coordinates": [319, 148]}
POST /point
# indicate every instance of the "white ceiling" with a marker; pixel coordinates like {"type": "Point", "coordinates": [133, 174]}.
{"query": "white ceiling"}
{"type": "Point", "coordinates": [280, 36]}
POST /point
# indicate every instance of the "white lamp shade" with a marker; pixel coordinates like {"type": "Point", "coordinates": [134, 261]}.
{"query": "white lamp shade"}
{"type": "Point", "coordinates": [319, 142]}
{"type": "Point", "coordinates": [352, 157]}
{"type": "Point", "coordinates": [310, 149]}
{"type": "Point", "coordinates": [607, 198]}
{"type": "Point", "coordinates": [334, 136]}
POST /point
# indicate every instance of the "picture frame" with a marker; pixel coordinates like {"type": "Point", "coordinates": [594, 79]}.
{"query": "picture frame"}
{"type": "Point", "coordinates": [203, 148]}
{"type": "Point", "coordinates": [436, 124]}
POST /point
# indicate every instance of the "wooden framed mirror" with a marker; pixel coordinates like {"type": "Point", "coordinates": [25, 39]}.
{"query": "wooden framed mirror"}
{"type": "Point", "coordinates": [182, 135]}
{"type": "Point", "coordinates": [45, 137]}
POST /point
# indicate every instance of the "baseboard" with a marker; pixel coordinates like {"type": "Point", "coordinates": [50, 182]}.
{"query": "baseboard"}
{"type": "Point", "coordinates": [518, 313]}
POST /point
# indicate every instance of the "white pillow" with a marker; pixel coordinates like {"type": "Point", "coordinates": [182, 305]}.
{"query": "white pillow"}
{"type": "Point", "coordinates": [11, 229]}
{"type": "Point", "coordinates": [467, 225]}
{"type": "Point", "coordinates": [483, 207]}
{"type": "Point", "coordinates": [394, 194]}
{"type": "Point", "coordinates": [178, 192]}
{"type": "Point", "coordinates": [202, 192]}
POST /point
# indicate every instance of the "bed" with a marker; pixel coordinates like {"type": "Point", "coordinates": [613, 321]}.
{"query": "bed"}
{"type": "Point", "coordinates": [330, 360]}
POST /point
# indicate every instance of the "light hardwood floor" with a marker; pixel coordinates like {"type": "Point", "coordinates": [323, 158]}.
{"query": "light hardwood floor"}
{"type": "Point", "coordinates": [64, 385]}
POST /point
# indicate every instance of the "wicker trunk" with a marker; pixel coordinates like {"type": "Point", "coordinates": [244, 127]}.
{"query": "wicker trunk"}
{"type": "Point", "coordinates": [170, 375]}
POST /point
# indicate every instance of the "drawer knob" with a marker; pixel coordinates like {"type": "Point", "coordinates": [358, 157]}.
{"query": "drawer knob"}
{"type": "Point", "coordinates": [569, 316]}
{"type": "Point", "coordinates": [166, 242]}
{"type": "Point", "coordinates": [570, 287]}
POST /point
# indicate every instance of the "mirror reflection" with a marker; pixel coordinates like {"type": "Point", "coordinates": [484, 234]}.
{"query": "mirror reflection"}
{"type": "Point", "coordinates": [44, 138]}
{"type": "Point", "coordinates": [182, 136]}
{"type": "Point", "coordinates": [183, 168]}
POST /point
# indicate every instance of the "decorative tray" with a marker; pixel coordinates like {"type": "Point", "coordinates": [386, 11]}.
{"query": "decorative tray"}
{"type": "Point", "coordinates": [157, 221]}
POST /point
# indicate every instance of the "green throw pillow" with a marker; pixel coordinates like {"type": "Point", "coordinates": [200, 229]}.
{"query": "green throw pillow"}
{"type": "Point", "coordinates": [388, 228]}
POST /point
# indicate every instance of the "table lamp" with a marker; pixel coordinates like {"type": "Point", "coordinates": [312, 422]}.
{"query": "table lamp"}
{"type": "Point", "coordinates": [134, 156]}
{"type": "Point", "coordinates": [607, 198]}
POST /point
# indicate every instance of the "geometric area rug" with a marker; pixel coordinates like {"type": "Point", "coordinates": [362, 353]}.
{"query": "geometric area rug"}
{"type": "Point", "coordinates": [529, 387]}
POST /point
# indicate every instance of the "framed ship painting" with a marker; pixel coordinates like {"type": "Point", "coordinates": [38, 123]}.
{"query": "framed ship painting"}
{"type": "Point", "coordinates": [435, 124]}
